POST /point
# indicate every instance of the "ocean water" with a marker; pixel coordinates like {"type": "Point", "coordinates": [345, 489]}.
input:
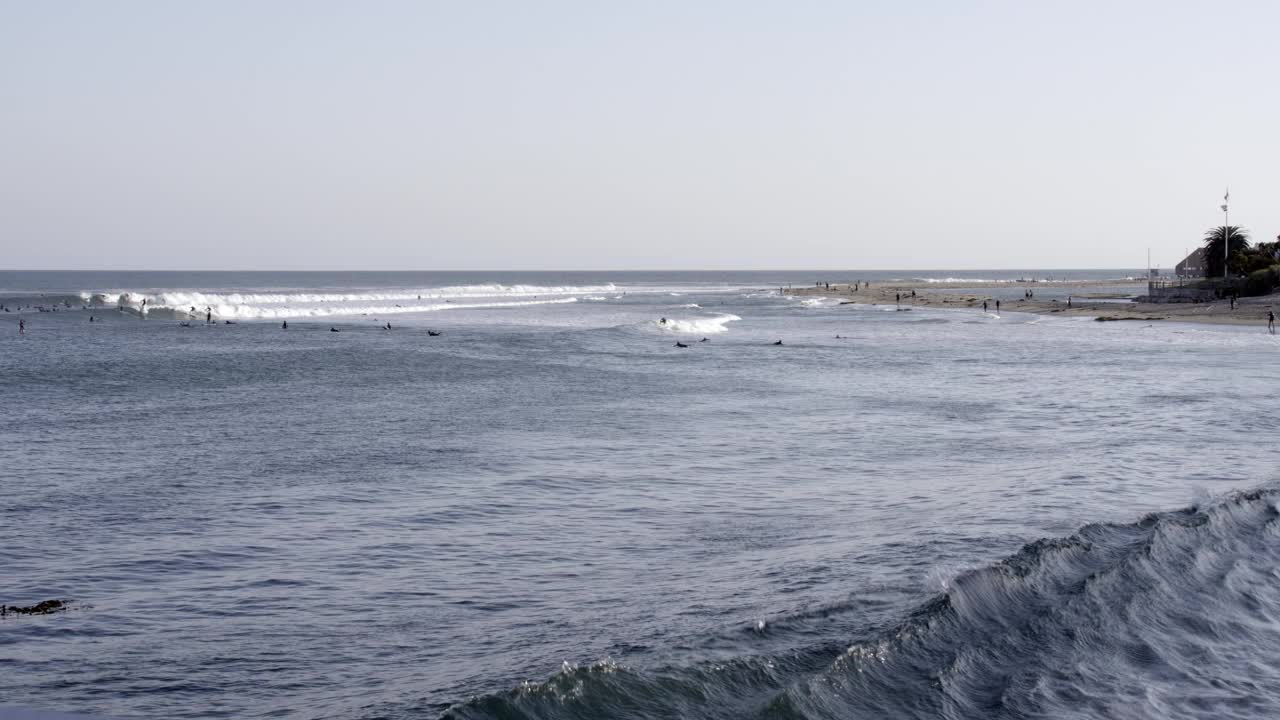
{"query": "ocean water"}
{"type": "Point", "coordinates": [548, 510]}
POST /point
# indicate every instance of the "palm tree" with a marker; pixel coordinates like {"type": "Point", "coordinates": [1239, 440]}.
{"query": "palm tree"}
{"type": "Point", "coordinates": [1238, 239]}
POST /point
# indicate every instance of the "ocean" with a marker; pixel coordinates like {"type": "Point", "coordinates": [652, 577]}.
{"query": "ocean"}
{"type": "Point", "coordinates": [524, 500]}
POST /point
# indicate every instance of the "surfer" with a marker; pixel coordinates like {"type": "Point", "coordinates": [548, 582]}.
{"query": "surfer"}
{"type": "Point", "coordinates": [704, 340]}
{"type": "Point", "coordinates": [22, 327]}
{"type": "Point", "coordinates": [778, 343]}
{"type": "Point", "coordinates": [997, 307]}
{"type": "Point", "coordinates": [680, 344]}
{"type": "Point", "coordinates": [984, 306]}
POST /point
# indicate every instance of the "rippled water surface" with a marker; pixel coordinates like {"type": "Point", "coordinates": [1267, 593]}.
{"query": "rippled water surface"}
{"type": "Point", "coordinates": [548, 510]}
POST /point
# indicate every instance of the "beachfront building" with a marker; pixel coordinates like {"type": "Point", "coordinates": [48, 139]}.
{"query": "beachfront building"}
{"type": "Point", "coordinates": [1192, 266]}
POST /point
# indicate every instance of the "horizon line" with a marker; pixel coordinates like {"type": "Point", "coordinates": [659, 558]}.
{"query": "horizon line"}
{"type": "Point", "coordinates": [552, 270]}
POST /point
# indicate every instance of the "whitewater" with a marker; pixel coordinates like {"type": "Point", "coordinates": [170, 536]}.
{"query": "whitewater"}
{"type": "Point", "coordinates": [524, 500]}
{"type": "Point", "coordinates": [284, 305]}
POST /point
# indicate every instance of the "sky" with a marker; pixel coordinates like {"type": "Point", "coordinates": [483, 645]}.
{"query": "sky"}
{"type": "Point", "coordinates": [421, 135]}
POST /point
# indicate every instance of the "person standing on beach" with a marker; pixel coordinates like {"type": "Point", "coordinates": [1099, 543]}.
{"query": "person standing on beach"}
{"type": "Point", "coordinates": [22, 326]}
{"type": "Point", "coordinates": [1271, 322]}
{"type": "Point", "coordinates": [898, 298]}
{"type": "Point", "coordinates": [997, 307]}
{"type": "Point", "coordinates": [984, 306]}
{"type": "Point", "coordinates": [1068, 301]}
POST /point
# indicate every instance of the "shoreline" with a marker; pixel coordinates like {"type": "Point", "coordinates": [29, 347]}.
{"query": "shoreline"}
{"type": "Point", "coordinates": [1091, 301]}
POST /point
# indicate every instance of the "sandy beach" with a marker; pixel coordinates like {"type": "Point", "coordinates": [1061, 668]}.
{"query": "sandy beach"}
{"type": "Point", "coordinates": [1097, 299]}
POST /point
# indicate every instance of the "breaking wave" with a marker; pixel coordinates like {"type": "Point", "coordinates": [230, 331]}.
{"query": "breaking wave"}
{"type": "Point", "coordinates": [286, 305]}
{"type": "Point", "coordinates": [697, 326]}
{"type": "Point", "coordinates": [1174, 615]}
{"type": "Point", "coordinates": [187, 298]}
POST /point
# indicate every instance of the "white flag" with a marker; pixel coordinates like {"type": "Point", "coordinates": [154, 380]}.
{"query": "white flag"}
{"type": "Point", "coordinates": [1224, 208]}
{"type": "Point", "coordinates": [1227, 197]}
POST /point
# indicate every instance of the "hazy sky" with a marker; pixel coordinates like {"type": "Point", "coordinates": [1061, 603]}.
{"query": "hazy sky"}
{"type": "Point", "coordinates": [610, 135]}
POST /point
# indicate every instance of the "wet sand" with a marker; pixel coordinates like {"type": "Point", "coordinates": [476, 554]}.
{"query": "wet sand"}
{"type": "Point", "coordinates": [1093, 299]}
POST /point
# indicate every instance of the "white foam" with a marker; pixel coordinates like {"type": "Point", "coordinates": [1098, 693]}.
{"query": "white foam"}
{"type": "Point", "coordinates": [182, 299]}
{"type": "Point", "coordinates": [697, 326]}
{"type": "Point", "coordinates": [818, 302]}
{"type": "Point", "coordinates": [277, 305]}
{"type": "Point", "coordinates": [307, 302]}
{"type": "Point", "coordinates": [277, 312]}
